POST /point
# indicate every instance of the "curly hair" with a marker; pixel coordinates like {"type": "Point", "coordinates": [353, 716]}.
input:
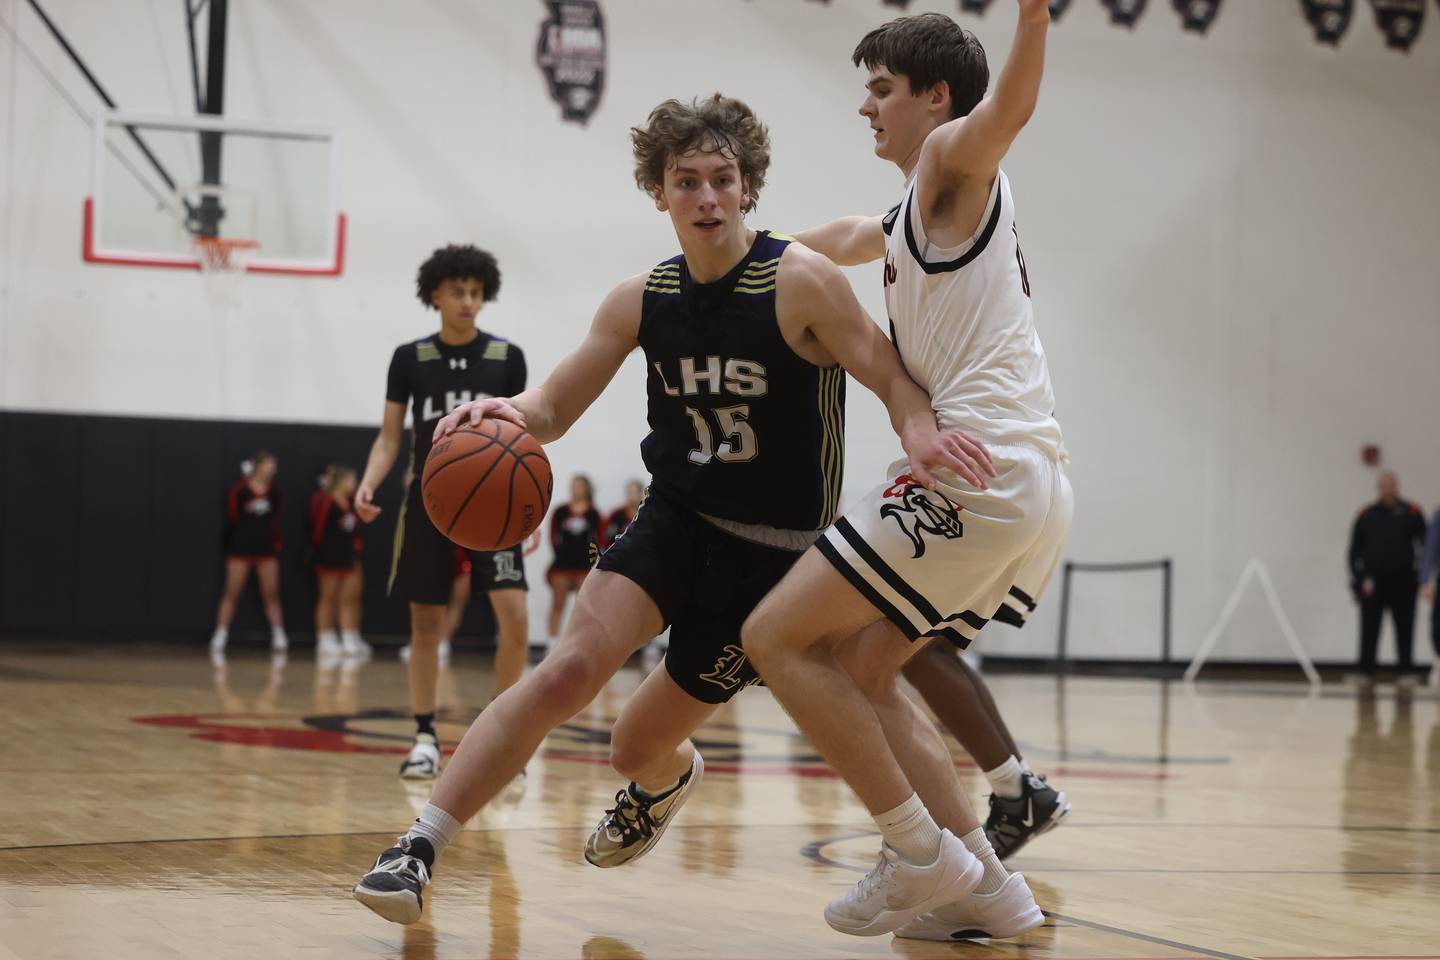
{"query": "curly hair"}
{"type": "Point", "coordinates": [718, 123]}
{"type": "Point", "coordinates": [929, 49]}
{"type": "Point", "coordinates": [457, 262]}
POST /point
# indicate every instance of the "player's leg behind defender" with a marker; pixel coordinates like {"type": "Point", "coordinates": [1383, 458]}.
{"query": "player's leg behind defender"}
{"type": "Point", "coordinates": [1023, 805]}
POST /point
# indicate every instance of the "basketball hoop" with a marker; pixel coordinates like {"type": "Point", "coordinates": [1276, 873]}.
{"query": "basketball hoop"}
{"type": "Point", "coordinates": [222, 262]}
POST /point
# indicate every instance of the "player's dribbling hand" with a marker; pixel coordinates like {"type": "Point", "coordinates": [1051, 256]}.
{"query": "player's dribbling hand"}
{"type": "Point", "coordinates": [472, 413]}
{"type": "Point", "coordinates": [365, 507]}
{"type": "Point", "coordinates": [952, 450]}
{"type": "Point", "coordinates": [1428, 591]}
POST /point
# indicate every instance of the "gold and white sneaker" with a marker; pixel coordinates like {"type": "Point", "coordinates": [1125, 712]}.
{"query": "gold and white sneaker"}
{"type": "Point", "coordinates": [634, 825]}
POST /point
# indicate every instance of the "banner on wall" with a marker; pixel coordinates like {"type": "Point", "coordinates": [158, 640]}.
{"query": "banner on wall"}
{"type": "Point", "coordinates": [571, 55]}
{"type": "Point", "coordinates": [1058, 8]}
{"type": "Point", "coordinates": [1400, 21]}
{"type": "Point", "coordinates": [1124, 13]}
{"type": "Point", "coordinates": [1329, 18]}
{"type": "Point", "coordinates": [974, 6]}
{"type": "Point", "coordinates": [1197, 15]}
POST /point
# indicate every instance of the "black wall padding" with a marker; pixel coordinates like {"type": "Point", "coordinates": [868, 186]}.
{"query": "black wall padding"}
{"type": "Point", "coordinates": [113, 526]}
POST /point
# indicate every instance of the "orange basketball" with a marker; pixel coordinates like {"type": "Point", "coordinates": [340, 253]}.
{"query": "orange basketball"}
{"type": "Point", "coordinates": [487, 487]}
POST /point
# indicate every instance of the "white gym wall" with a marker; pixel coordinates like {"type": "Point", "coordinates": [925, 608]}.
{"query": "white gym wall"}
{"type": "Point", "coordinates": [1231, 240]}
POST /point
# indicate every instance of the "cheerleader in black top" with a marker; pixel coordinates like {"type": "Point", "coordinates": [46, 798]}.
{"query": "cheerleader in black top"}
{"type": "Point", "coordinates": [252, 541]}
{"type": "Point", "coordinates": [574, 534]}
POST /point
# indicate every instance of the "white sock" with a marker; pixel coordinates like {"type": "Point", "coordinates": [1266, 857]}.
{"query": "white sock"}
{"type": "Point", "coordinates": [995, 872]}
{"type": "Point", "coordinates": [1007, 780]}
{"type": "Point", "coordinates": [220, 637]}
{"type": "Point", "coordinates": [351, 638]}
{"type": "Point", "coordinates": [277, 636]}
{"type": "Point", "coordinates": [329, 638]}
{"type": "Point", "coordinates": [436, 826]}
{"type": "Point", "coordinates": [911, 831]}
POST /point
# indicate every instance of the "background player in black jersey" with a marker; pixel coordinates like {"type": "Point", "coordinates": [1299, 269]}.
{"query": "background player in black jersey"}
{"type": "Point", "coordinates": [574, 533]}
{"type": "Point", "coordinates": [745, 451]}
{"type": "Point", "coordinates": [436, 374]}
{"type": "Point", "coordinates": [252, 542]}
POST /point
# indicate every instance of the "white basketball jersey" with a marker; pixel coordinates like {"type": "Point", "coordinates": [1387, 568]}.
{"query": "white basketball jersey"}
{"type": "Point", "coordinates": [961, 319]}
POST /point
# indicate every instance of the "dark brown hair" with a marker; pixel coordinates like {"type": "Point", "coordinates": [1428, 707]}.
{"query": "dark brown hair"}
{"type": "Point", "coordinates": [929, 49]}
{"type": "Point", "coordinates": [716, 123]}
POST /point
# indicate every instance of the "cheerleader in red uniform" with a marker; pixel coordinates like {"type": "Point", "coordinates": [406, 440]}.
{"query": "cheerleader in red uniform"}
{"type": "Point", "coordinates": [334, 536]}
{"type": "Point", "coordinates": [252, 511]}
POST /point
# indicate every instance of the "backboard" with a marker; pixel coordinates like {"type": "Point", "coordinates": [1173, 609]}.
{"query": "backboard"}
{"type": "Point", "coordinates": [162, 186]}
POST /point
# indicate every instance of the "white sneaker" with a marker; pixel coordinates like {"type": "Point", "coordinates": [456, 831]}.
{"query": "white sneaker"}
{"type": "Point", "coordinates": [896, 892]}
{"type": "Point", "coordinates": [327, 647]}
{"type": "Point", "coordinates": [279, 643]}
{"type": "Point", "coordinates": [217, 645]}
{"type": "Point", "coordinates": [1008, 912]}
{"type": "Point", "coordinates": [423, 763]}
{"type": "Point", "coordinates": [352, 646]}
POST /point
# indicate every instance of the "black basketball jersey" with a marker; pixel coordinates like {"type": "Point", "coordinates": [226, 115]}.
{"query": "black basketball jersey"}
{"type": "Point", "coordinates": [741, 427]}
{"type": "Point", "coordinates": [435, 378]}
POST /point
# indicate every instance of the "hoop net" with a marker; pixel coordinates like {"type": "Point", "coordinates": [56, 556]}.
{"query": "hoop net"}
{"type": "Point", "coordinates": [222, 263]}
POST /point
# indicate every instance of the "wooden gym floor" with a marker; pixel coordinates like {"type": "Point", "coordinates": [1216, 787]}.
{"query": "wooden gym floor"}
{"type": "Point", "coordinates": [155, 807]}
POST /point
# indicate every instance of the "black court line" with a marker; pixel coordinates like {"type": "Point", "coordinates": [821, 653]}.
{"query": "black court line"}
{"type": "Point", "coordinates": [1145, 937]}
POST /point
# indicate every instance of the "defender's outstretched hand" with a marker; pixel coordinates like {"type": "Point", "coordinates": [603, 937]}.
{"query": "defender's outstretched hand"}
{"type": "Point", "coordinates": [472, 413]}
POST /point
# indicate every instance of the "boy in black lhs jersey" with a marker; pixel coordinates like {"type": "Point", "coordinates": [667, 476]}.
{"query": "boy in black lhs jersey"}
{"type": "Point", "coordinates": [434, 375]}
{"type": "Point", "coordinates": [744, 335]}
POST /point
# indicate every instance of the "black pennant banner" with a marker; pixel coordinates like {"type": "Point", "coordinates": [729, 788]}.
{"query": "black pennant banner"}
{"type": "Point", "coordinates": [1124, 13]}
{"type": "Point", "coordinates": [1330, 18]}
{"type": "Point", "coordinates": [1058, 8]}
{"type": "Point", "coordinates": [902, 4]}
{"type": "Point", "coordinates": [571, 55]}
{"type": "Point", "coordinates": [1400, 21]}
{"type": "Point", "coordinates": [974, 6]}
{"type": "Point", "coordinates": [1197, 15]}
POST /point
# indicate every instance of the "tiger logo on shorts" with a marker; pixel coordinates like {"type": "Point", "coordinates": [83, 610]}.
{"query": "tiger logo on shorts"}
{"type": "Point", "coordinates": [727, 672]}
{"type": "Point", "coordinates": [918, 513]}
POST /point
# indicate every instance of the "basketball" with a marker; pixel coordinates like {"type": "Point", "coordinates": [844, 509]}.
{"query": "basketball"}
{"type": "Point", "coordinates": [487, 487]}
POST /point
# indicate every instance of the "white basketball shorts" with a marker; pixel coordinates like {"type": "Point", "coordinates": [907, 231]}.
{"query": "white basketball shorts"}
{"type": "Point", "coordinates": [942, 562]}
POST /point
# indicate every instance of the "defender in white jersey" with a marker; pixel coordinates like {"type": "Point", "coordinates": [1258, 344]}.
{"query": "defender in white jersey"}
{"type": "Point", "coordinates": [924, 557]}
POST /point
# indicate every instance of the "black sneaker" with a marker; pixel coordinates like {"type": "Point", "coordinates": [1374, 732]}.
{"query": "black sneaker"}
{"type": "Point", "coordinates": [634, 825]}
{"type": "Point", "coordinates": [393, 886]}
{"type": "Point", "coordinates": [1014, 822]}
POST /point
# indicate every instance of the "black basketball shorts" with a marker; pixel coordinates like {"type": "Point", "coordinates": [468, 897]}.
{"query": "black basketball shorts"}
{"type": "Point", "coordinates": [705, 582]}
{"type": "Point", "coordinates": [423, 567]}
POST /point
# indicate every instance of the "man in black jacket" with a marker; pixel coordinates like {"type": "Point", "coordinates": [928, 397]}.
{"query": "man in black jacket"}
{"type": "Point", "coordinates": [1383, 550]}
